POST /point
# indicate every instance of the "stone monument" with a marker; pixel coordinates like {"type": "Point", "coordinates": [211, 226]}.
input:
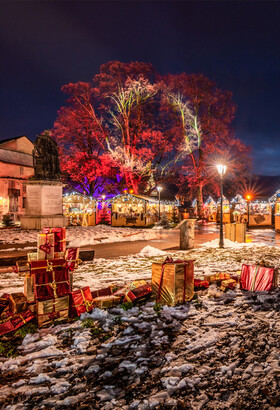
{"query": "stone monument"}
{"type": "Point", "coordinates": [187, 234]}
{"type": "Point", "coordinates": [44, 190]}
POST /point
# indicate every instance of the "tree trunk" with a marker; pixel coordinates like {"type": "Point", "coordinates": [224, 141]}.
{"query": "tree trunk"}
{"type": "Point", "coordinates": [199, 202]}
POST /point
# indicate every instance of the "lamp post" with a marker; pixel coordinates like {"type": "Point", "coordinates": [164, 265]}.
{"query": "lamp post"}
{"type": "Point", "coordinates": [159, 188]}
{"type": "Point", "coordinates": [222, 170]}
{"type": "Point", "coordinates": [248, 198]}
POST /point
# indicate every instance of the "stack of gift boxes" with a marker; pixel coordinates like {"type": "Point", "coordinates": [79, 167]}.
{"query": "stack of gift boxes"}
{"type": "Point", "coordinates": [48, 287]}
{"type": "Point", "coordinates": [48, 278]}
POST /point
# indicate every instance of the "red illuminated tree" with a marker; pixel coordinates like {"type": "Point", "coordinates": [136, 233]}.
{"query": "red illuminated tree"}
{"type": "Point", "coordinates": [109, 129]}
{"type": "Point", "coordinates": [204, 114]}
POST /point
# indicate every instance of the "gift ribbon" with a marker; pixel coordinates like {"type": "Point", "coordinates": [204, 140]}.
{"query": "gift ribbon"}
{"type": "Point", "coordinates": [87, 303]}
{"type": "Point", "coordinates": [169, 261]}
{"type": "Point", "coordinates": [46, 247]}
{"type": "Point", "coordinates": [255, 277]}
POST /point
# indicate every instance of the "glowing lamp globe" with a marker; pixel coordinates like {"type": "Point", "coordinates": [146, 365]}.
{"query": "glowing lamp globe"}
{"type": "Point", "coordinates": [221, 169]}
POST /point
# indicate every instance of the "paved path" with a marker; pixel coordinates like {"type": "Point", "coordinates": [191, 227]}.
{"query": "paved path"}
{"type": "Point", "coordinates": [167, 240]}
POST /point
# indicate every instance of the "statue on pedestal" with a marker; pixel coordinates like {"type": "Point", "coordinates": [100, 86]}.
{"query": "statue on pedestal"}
{"type": "Point", "coordinates": [46, 158]}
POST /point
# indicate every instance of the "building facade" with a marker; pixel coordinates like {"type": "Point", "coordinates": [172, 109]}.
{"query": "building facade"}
{"type": "Point", "coordinates": [16, 166]}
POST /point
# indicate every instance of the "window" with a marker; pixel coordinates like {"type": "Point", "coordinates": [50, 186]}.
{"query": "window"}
{"type": "Point", "coordinates": [21, 170]}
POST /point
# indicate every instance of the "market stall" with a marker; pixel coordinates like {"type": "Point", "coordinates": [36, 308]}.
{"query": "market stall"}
{"type": "Point", "coordinates": [226, 210]}
{"type": "Point", "coordinates": [275, 199]}
{"type": "Point", "coordinates": [260, 213]}
{"type": "Point", "coordinates": [79, 209]}
{"type": "Point", "coordinates": [239, 209]}
{"type": "Point", "coordinates": [134, 210]}
{"type": "Point", "coordinates": [210, 210]}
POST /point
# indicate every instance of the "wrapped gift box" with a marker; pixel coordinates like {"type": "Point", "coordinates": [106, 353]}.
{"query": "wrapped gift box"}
{"type": "Point", "coordinates": [32, 256]}
{"type": "Point", "coordinates": [216, 277]}
{"type": "Point", "coordinates": [81, 301]}
{"type": "Point", "coordinates": [17, 302]}
{"type": "Point", "coordinates": [258, 278]}
{"type": "Point", "coordinates": [4, 304]}
{"type": "Point", "coordinates": [134, 294]}
{"type": "Point", "coordinates": [59, 238]}
{"type": "Point", "coordinates": [22, 269]}
{"type": "Point", "coordinates": [228, 284]}
{"type": "Point", "coordinates": [28, 287]}
{"type": "Point", "coordinates": [105, 302]}
{"type": "Point", "coordinates": [51, 279]}
{"type": "Point", "coordinates": [49, 311]}
{"type": "Point", "coordinates": [105, 291]}
{"type": "Point", "coordinates": [72, 256]}
{"type": "Point", "coordinates": [45, 246]}
{"type": "Point", "coordinates": [173, 281]}
{"type": "Point", "coordinates": [199, 283]}
{"type": "Point", "coordinates": [16, 321]}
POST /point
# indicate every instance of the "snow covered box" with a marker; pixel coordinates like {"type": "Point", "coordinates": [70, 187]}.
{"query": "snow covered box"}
{"type": "Point", "coordinates": [258, 278]}
{"type": "Point", "coordinates": [173, 281]}
{"type": "Point", "coordinates": [22, 268]}
{"type": "Point", "coordinates": [28, 287]}
{"type": "Point", "coordinates": [49, 311]}
{"type": "Point", "coordinates": [51, 278]}
{"type": "Point", "coordinates": [59, 238]}
{"type": "Point", "coordinates": [80, 301]}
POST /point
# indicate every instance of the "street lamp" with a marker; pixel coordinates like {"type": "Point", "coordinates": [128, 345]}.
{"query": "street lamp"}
{"type": "Point", "coordinates": [222, 170]}
{"type": "Point", "coordinates": [159, 188]}
{"type": "Point", "coordinates": [248, 198]}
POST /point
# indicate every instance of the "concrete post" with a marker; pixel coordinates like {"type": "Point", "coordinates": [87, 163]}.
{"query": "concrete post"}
{"type": "Point", "coordinates": [187, 234]}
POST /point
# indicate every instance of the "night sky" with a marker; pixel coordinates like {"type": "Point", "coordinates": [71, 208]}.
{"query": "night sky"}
{"type": "Point", "coordinates": [47, 44]}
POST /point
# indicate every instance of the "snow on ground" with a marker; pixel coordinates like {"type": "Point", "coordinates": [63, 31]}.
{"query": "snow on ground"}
{"type": "Point", "coordinates": [103, 272]}
{"type": "Point", "coordinates": [212, 353]}
{"type": "Point", "coordinates": [82, 236]}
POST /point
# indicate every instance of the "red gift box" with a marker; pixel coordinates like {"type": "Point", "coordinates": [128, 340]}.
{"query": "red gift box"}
{"type": "Point", "coordinates": [59, 238]}
{"type": "Point", "coordinates": [199, 283]}
{"type": "Point", "coordinates": [80, 301]}
{"type": "Point", "coordinates": [131, 295]}
{"type": "Point", "coordinates": [71, 256]}
{"type": "Point", "coordinates": [16, 321]}
{"type": "Point", "coordinates": [257, 278]}
{"type": "Point", "coordinates": [102, 292]}
{"type": "Point", "coordinates": [51, 279]}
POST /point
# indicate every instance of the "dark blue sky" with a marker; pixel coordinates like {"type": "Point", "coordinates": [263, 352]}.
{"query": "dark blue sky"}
{"type": "Point", "coordinates": [44, 45]}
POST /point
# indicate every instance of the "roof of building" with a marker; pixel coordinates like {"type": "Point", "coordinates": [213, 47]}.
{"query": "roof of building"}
{"type": "Point", "coordinates": [14, 138]}
{"type": "Point", "coordinates": [14, 157]}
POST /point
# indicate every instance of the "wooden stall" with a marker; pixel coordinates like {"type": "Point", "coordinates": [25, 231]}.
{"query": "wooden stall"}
{"type": "Point", "coordinates": [226, 210]}
{"type": "Point", "coordinates": [275, 200]}
{"type": "Point", "coordinates": [134, 210]}
{"type": "Point", "coordinates": [210, 210]}
{"type": "Point", "coordinates": [79, 209]}
{"type": "Point", "coordinates": [260, 213]}
{"type": "Point", "coordinates": [239, 209]}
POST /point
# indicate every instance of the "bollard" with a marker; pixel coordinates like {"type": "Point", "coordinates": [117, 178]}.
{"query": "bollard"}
{"type": "Point", "coordinates": [187, 234]}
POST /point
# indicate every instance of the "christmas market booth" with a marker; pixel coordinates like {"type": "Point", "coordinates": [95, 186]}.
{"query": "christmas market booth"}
{"type": "Point", "coordinates": [133, 210]}
{"type": "Point", "coordinates": [139, 210]}
{"type": "Point", "coordinates": [260, 213]}
{"type": "Point", "coordinates": [226, 210]}
{"type": "Point", "coordinates": [239, 209]}
{"type": "Point", "coordinates": [79, 209]}
{"type": "Point", "coordinates": [275, 199]}
{"type": "Point", "coordinates": [210, 210]}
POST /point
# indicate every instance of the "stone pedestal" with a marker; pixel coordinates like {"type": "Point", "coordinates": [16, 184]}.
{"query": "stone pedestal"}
{"type": "Point", "coordinates": [43, 205]}
{"type": "Point", "coordinates": [187, 234]}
